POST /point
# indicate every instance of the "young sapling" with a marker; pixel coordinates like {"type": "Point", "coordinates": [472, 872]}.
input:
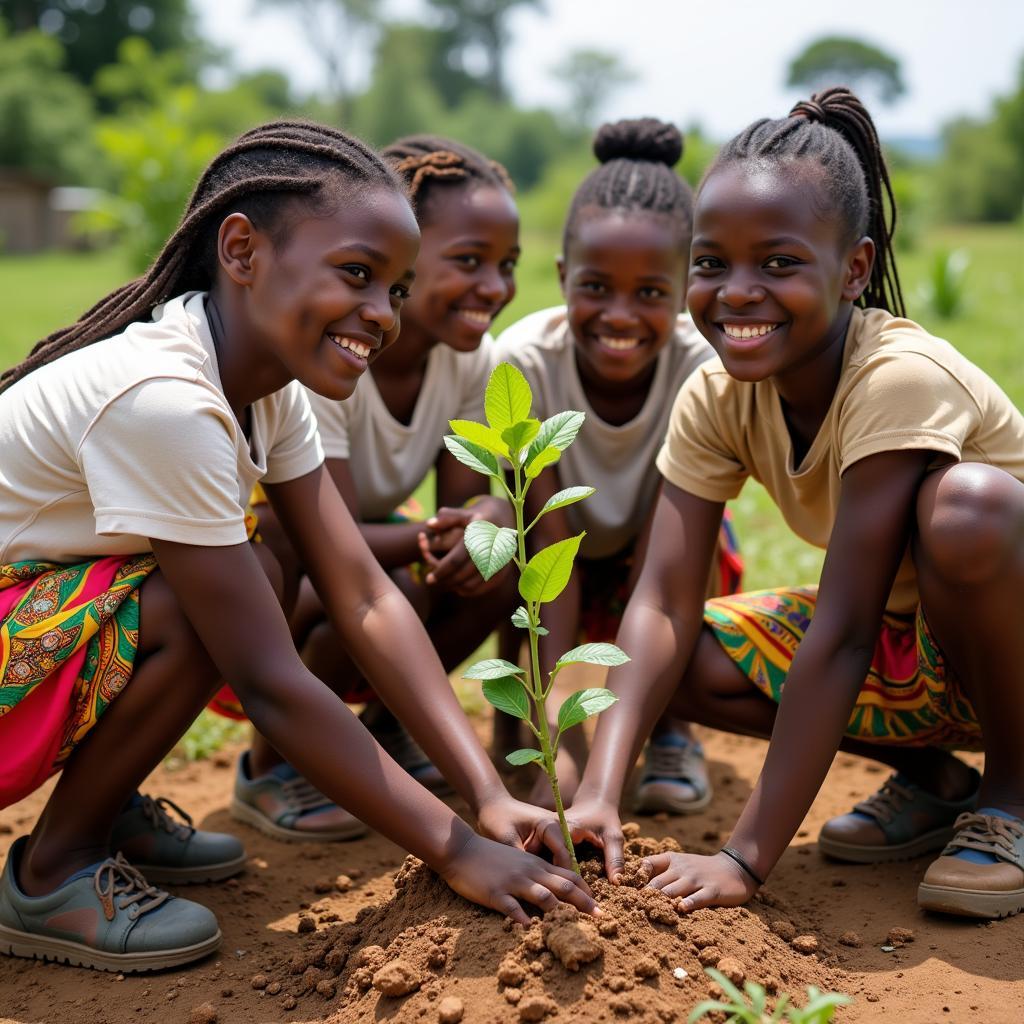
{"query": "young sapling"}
{"type": "Point", "coordinates": [527, 446]}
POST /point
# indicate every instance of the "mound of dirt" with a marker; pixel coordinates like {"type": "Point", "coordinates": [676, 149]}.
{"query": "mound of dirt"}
{"type": "Point", "coordinates": [426, 954]}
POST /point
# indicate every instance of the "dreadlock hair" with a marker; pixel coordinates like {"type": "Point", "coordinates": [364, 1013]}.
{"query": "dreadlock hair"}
{"type": "Point", "coordinates": [636, 174]}
{"type": "Point", "coordinates": [834, 130]}
{"type": "Point", "coordinates": [428, 163]}
{"type": "Point", "coordinates": [263, 171]}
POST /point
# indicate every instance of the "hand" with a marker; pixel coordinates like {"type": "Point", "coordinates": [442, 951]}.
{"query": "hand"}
{"type": "Point", "coordinates": [498, 877]}
{"type": "Point", "coordinates": [597, 822]}
{"type": "Point", "coordinates": [519, 824]}
{"type": "Point", "coordinates": [716, 881]}
{"type": "Point", "coordinates": [443, 550]}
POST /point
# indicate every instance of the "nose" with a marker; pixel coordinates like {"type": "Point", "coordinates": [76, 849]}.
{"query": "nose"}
{"type": "Point", "coordinates": [739, 289]}
{"type": "Point", "coordinates": [491, 286]}
{"type": "Point", "coordinates": [378, 310]}
{"type": "Point", "coordinates": [618, 314]}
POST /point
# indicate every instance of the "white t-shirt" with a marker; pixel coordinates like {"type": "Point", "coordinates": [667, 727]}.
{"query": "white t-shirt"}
{"type": "Point", "coordinates": [388, 459]}
{"type": "Point", "coordinates": [132, 438]}
{"type": "Point", "coordinates": [617, 460]}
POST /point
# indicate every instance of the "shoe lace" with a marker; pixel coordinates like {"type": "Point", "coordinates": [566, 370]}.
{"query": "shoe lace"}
{"type": "Point", "coordinates": [115, 877]}
{"type": "Point", "coordinates": [673, 762]}
{"type": "Point", "coordinates": [989, 834]}
{"type": "Point", "coordinates": [156, 811]}
{"type": "Point", "coordinates": [302, 795]}
{"type": "Point", "coordinates": [887, 802]}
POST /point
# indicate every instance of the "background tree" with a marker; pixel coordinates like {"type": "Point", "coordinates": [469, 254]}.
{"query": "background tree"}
{"type": "Point", "coordinates": [590, 77]}
{"type": "Point", "coordinates": [841, 60]}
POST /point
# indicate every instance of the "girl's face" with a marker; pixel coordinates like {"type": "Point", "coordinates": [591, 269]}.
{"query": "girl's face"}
{"type": "Point", "coordinates": [328, 296]}
{"type": "Point", "coordinates": [623, 278]}
{"type": "Point", "coordinates": [465, 274]}
{"type": "Point", "coordinates": [770, 282]}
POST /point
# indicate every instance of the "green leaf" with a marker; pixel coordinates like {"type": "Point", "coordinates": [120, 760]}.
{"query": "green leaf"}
{"type": "Point", "coordinates": [540, 461]}
{"type": "Point", "coordinates": [472, 455]}
{"type": "Point", "coordinates": [567, 496]}
{"type": "Point", "coordinates": [594, 654]}
{"type": "Point", "coordinates": [524, 756]}
{"type": "Point", "coordinates": [558, 431]}
{"type": "Point", "coordinates": [486, 437]}
{"type": "Point", "coordinates": [580, 705]}
{"type": "Point", "coordinates": [508, 398]}
{"type": "Point", "coordinates": [491, 547]}
{"type": "Point", "coordinates": [492, 668]}
{"type": "Point", "coordinates": [547, 573]}
{"type": "Point", "coordinates": [520, 434]}
{"type": "Point", "coordinates": [509, 696]}
{"type": "Point", "coordinates": [521, 619]}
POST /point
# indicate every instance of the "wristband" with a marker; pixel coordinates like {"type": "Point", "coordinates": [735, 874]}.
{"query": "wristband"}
{"type": "Point", "coordinates": [738, 857]}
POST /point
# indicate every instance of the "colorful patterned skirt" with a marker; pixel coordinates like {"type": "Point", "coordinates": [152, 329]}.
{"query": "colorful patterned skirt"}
{"type": "Point", "coordinates": [907, 699]}
{"type": "Point", "coordinates": [68, 639]}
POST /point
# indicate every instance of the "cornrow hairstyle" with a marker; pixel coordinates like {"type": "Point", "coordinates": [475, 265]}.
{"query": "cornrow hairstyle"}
{"type": "Point", "coordinates": [636, 174]}
{"type": "Point", "coordinates": [428, 162]}
{"type": "Point", "coordinates": [263, 171]}
{"type": "Point", "coordinates": [834, 129]}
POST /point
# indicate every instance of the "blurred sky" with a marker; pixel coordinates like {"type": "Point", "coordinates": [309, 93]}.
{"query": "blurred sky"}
{"type": "Point", "coordinates": [720, 63]}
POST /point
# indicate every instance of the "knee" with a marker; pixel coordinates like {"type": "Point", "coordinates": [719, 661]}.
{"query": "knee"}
{"type": "Point", "coordinates": [970, 523]}
{"type": "Point", "coordinates": [163, 626]}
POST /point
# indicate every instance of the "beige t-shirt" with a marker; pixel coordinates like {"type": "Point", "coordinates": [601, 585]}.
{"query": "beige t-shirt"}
{"type": "Point", "coordinates": [132, 438]}
{"type": "Point", "coordinates": [617, 460]}
{"type": "Point", "coordinates": [388, 459]}
{"type": "Point", "coordinates": [899, 389]}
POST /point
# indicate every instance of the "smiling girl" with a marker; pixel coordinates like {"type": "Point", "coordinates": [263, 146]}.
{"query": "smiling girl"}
{"type": "Point", "coordinates": [888, 448]}
{"type": "Point", "coordinates": [130, 442]}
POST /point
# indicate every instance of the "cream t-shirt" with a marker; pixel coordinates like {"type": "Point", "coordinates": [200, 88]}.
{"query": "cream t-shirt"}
{"type": "Point", "coordinates": [899, 389]}
{"type": "Point", "coordinates": [617, 460]}
{"type": "Point", "coordinates": [388, 459]}
{"type": "Point", "coordinates": [132, 438]}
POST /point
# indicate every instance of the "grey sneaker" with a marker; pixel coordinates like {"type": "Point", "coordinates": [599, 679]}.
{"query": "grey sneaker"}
{"type": "Point", "coordinates": [675, 778]}
{"type": "Point", "coordinates": [173, 852]}
{"type": "Point", "coordinates": [107, 917]}
{"type": "Point", "coordinates": [389, 732]}
{"type": "Point", "coordinates": [284, 805]}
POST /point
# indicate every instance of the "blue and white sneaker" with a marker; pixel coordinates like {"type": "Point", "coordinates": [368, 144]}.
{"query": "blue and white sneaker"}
{"type": "Point", "coordinates": [675, 778]}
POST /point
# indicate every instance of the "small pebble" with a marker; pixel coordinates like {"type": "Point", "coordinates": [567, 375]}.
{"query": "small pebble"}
{"type": "Point", "coordinates": [343, 883]}
{"type": "Point", "coordinates": [805, 944]}
{"type": "Point", "coordinates": [680, 974]}
{"type": "Point", "coordinates": [851, 939]}
{"type": "Point", "coordinates": [288, 1002]}
{"type": "Point", "coordinates": [534, 1008]}
{"type": "Point", "coordinates": [888, 949]}
{"type": "Point", "coordinates": [259, 981]}
{"type": "Point", "coordinates": [450, 1010]}
{"type": "Point", "coordinates": [899, 936]}
{"type": "Point", "coordinates": [306, 924]}
{"type": "Point", "coordinates": [732, 969]}
{"type": "Point", "coordinates": [206, 1013]}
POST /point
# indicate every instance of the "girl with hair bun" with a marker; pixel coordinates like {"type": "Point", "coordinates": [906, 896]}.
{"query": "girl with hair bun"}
{"type": "Point", "coordinates": [905, 462]}
{"type": "Point", "coordinates": [619, 350]}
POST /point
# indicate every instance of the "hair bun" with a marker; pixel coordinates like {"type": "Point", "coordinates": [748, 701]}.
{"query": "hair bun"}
{"type": "Point", "coordinates": [645, 138]}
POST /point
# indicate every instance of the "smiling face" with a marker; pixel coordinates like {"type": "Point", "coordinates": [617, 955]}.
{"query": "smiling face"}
{"type": "Point", "coordinates": [324, 298]}
{"type": "Point", "coordinates": [465, 274]}
{"type": "Point", "coordinates": [771, 282]}
{"type": "Point", "coordinates": [623, 278]}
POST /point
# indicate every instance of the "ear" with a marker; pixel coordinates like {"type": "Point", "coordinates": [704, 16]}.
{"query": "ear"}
{"type": "Point", "coordinates": [859, 261]}
{"type": "Point", "coordinates": [237, 240]}
{"type": "Point", "coordinates": [560, 265]}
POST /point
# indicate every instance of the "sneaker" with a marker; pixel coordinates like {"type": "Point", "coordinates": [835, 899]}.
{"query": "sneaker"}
{"type": "Point", "coordinates": [675, 777]}
{"type": "Point", "coordinates": [389, 732]}
{"type": "Point", "coordinates": [284, 805]}
{"type": "Point", "coordinates": [981, 871]}
{"type": "Point", "coordinates": [107, 917]}
{"type": "Point", "coordinates": [899, 822]}
{"type": "Point", "coordinates": [173, 852]}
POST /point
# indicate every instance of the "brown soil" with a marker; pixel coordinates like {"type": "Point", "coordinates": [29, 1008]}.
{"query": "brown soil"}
{"type": "Point", "coordinates": [353, 942]}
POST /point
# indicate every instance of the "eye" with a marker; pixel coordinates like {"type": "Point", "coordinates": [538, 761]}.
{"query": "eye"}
{"type": "Point", "coordinates": [357, 270]}
{"type": "Point", "coordinates": [651, 291]}
{"type": "Point", "coordinates": [781, 263]}
{"type": "Point", "coordinates": [594, 287]}
{"type": "Point", "coordinates": [509, 266]}
{"type": "Point", "coordinates": [400, 291]}
{"type": "Point", "coordinates": [468, 261]}
{"type": "Point", "coordinates": [708, 263]}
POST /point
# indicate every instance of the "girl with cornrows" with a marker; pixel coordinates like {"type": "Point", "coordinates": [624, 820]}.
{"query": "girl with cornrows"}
{"type": "Point", "coordinates": [130, 442]}
{"type": "Point", "coordinates": [381, 443]}
{"type": "Point", "coordinates": [619, 350]}
{"type": "Point", "coordinates": [886, 447]}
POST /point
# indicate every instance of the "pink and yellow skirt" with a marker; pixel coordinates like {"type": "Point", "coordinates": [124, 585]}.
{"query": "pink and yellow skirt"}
{"type": "Point", "coordinates": [908, 698]}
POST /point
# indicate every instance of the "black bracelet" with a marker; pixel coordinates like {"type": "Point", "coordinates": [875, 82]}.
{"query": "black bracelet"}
{"type": "Point", "coordinates": [738, 857]}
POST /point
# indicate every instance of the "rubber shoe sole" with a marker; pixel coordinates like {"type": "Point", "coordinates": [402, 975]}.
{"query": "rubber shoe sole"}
{"type": "Point", "coordinates": [970, 902]}
{"type": "Point", "coordinates": [195, 875]}
{"type": "Point", "coordinates": [656, 803]}
{"type": "Point", "coordinates": [241, 811]}
{"type": "Point", "coordinates": [855, 853]}
{"type": "Point", "coordinates": [53, 950]}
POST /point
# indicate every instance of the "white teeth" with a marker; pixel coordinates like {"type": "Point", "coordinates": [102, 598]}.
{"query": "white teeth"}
{"type": "Point", "coordinates": [475, 316]}
{"type": "Point", "coordinates": [618, 344]}
{"type": "Point", "coordinates": [753, 331]}
{"type": "Point", "coordinates": [357, 348]}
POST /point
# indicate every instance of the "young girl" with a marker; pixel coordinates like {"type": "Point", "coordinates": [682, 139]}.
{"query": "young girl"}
{"type": "Point", "coordinates": [619, 350]}
{"type": "Point", "coordinates": [129, 443]}
{"type": "Point", "coordinates": [905, 462]}
{"type": "Point", "coordinates": [381, 443]}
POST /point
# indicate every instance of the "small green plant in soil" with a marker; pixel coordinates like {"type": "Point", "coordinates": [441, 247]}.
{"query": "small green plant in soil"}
{"type": "Point", "coordinates": [514, 443]}
{"type": "Point", "coordinates": [754, 1008]}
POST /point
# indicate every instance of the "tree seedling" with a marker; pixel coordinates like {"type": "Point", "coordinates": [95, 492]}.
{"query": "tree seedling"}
{"type": "Point", "coordinates": [820, 1007]}
{"type": "Point", "coordinates": [513, 442]}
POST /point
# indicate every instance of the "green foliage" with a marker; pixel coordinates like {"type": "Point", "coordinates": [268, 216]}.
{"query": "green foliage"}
{"type": "Point", "coordinates": [945, 289]}
{"type": "Point", "coordinates": [590, 78]}
{"type": "Point", "coordinates": [526, 445]}
{"type": "Point", "coordinates": [820, 1007]}
{"type": "Point", "coordinates": [841, 60]}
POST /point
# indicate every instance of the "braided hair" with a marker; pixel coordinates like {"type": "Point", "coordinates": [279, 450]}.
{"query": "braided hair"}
{"type": "Point", "coordinates": [834, 129]}
{"type": "Point", "coordinates": [426, 162]}
{"type": "Point", "coordinates": [259, 174]}
{"type": "Point", "coordinates": [636, 159]}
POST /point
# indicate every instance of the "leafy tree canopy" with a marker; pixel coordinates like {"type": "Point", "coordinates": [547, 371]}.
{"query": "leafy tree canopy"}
{"type": "Point", "coordinates": [841, 60]}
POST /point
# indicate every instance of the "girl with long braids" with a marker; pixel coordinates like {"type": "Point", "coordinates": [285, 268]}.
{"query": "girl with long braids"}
{"type": "Point", "coordinates": [886, 447]}
{"type": "Point", "coordinates": [130, 442]}
{"type": "Point", "coordinates": [381, 443]}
